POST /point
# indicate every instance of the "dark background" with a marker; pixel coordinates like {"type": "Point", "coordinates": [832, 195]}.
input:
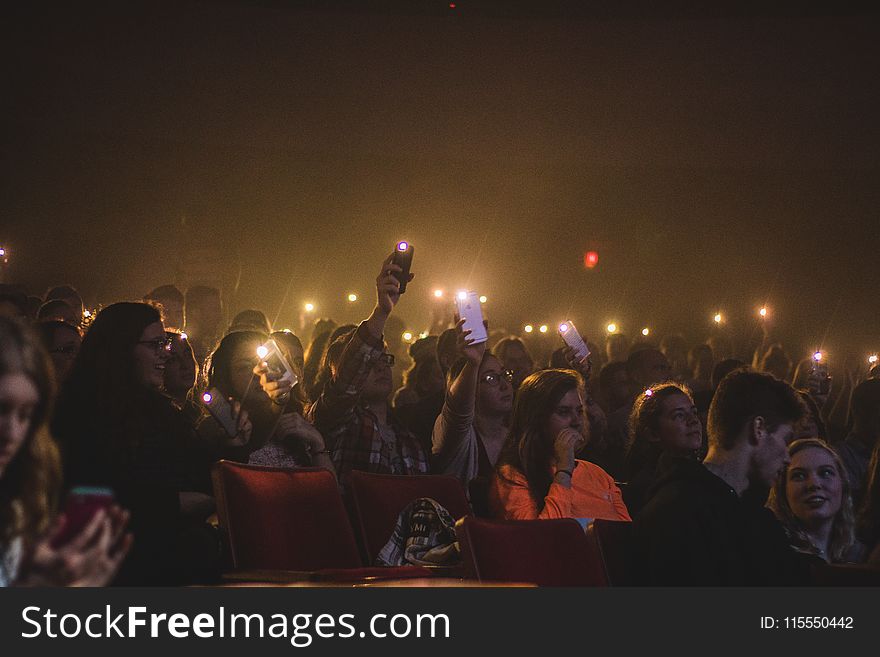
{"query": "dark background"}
{"type": "Point", "coordinates": [717, 157]}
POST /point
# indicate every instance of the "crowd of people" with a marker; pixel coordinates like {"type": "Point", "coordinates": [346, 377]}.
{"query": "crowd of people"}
{"type": "Point", "coordinates": [731, 471]}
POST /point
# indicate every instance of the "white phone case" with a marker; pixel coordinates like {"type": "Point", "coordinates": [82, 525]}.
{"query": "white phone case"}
{"type": "Point", "coordinates": [469, 310]}
{"type": "Point", "coordinates": [278, 364]}
{"type": "Point", "coordinates": [574, 340]}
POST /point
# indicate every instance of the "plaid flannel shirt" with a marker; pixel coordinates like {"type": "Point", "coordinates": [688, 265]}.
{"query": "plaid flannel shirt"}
{"type": "Point", "coordinates": [351, 431]}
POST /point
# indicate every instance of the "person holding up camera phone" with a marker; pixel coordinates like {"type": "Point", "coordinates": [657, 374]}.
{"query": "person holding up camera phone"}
{"type": "Point", "coordinates": [353, 411]}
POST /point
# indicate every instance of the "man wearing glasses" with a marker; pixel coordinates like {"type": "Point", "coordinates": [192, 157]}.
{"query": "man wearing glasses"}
{"type": "Point", "coordinates": [471, 429]}
{"type": "Point", "coordinates": [353, 412]}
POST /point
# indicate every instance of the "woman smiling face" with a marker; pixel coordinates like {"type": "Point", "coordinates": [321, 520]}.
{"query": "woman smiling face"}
{"type": "Point", "coordinates": [814, 486]}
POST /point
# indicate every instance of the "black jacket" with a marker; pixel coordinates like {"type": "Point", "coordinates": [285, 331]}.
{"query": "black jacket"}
{"type": "Point", "coordinates": [696, 531]}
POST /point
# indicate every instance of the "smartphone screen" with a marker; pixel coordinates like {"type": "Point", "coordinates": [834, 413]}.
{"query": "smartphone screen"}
{"type": "Point", "coordinates": [278, 364]}
{"type": "Point", "coordinates": [469, 309]}
{"type": "Point", "coordinates": [403, 255]}
{"type": "Point", "coordinates": [573, 339]}
{"type": "Point", "coordinates": [220, 409]}
{"type": "Point", "coordinates": [82, 503]}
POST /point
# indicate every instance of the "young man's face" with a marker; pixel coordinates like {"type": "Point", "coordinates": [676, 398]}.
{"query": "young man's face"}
{"type": "Point", "coordinates": [770, 456]}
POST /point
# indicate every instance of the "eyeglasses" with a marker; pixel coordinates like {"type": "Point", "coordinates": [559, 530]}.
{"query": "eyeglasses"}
{"type": "Point", "coordinates": [159, 344]}
{"type": "Point", "coordinates": [494, 378]}
{"type": "Point", "coordinates": [387, 359]}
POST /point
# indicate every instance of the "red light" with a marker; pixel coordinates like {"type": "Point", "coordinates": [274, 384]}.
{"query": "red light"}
{"type": "Point", "coordinates": [452, 5]}
{"type": "Point", "coordinates": [591, 259]}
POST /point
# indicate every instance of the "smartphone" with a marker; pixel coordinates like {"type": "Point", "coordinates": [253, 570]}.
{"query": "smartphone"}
{"type": "Point", "coordinates": [403, 255]}
{"type": "Point", "coordinates": [573, 339]}
{"type": "Point", "coordinates": [221, 410]}
{"type": "Point", "coordinates": [82, 503]}
{"type": "Point", "coordinates": [469, 309]}
{"type": "Point", "coordinates": [272, 355]}
{"type": "Point", "coordinates": [819, 372]}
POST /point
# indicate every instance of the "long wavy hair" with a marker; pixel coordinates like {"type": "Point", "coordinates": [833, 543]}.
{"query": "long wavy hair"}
{"type": "Point", "coordinates": [103, 394]}
{"type": "Point", "coordinates": [528, 449]}
{"type": "Point", "coordinates": [843, 527]}
{"type": "Point", "coordinates": [30, 485]}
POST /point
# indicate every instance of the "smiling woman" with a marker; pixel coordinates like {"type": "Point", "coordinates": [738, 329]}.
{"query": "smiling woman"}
{"type": "Point", "coordinates": [118, 430]}
{"type": "Point", "coordinates": [812, 501]}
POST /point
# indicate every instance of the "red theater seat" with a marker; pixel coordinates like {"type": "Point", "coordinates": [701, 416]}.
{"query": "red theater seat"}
{"type": "Point", "coordinates": [543, 552]}
{"type": "Point", "coordinates": [378, 500]}
{"type": "Point", "coordinates": [278, 519]}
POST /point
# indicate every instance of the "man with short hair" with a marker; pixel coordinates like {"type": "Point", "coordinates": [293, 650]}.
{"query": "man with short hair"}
{"type": "Point", "coordinates": [171, 300]}
{"type": "Point", "coordinates": [698, 527]}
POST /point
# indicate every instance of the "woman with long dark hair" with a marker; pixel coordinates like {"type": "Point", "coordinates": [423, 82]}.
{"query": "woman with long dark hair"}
{"type": "Point", "coordinates": [117, 429]}
{"type": "Point", "coordinates": [537, 475]}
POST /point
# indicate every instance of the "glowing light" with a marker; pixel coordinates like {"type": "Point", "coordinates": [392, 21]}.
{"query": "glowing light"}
{"type": "Point", "coordinates": [543, 328]}
{"type": "Point", "coordinates": [611, 328]}
{"type": "Point", "coordinates": [407, 336]}
{"type": "Point", "coordinates": [462, 295]}
{"type": "Point", "coordinates": [438, 294]}
{"type": "Point", "coordinates": [649, 393]}
{"type": "Point", "coordinates": [288, 331]}
{"type": "Point", "coordinates": [452, 5]}
{"type": "Point", "coordinates": [483, 299]}
{"type": "Point", "coordinates": [717, 318]}
{"type": "Point", "coordinates": [763, 312]}
{"type": "Point", "coordinates": [207, 398]}
{"type": "Point", "coordinates": [184, 336]}
{"type": "Point", "coordinates": [646, 331]}
{"type": "Point", "coordinates": [2, 251]}
{"type": "Point", "coordinates": [352, 297]}
{"type": "Point", "coordinates": [262, 351]}
{"type": "Point", "coordinates": [402, 246]}
{"type": "Point", "coordinates": [563, 328]}
{"type": "Point", "coordinates": [818, 356]}
{"type": "Point", "coordinates": [87, 313]}
{"type": "Point", "coordinates": [591, 259]}
{"type": "Point", "coordinates": [872, 359]}
{"type": "Point", "coordinates": [528, 328]}
{"type": "Point", "coordinates": [310, 307]}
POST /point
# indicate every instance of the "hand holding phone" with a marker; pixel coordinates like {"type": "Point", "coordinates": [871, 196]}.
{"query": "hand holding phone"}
{"type": "Point", "coordinates": [221, 410]}
{"type": "Point", "coordinates": [402, 257]}
{"type": "Point", "coordinates": [573, 339]}
{"type": "Point", "coordinates": [281, 371]}
{"type": "Point", "coordinates": [469, 309]}
{"type": "Point", "coordinates": [82, 503]}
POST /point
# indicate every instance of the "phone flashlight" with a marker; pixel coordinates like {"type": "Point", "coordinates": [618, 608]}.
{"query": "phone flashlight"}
{"type": "Point", "coordinates": [563, 328]}
{"type": "Point", "coordinates": [207, 397]}
{"type": "Point", "coordinates": [872, 359]}
{"type": "Point", "coordinates": [262, 352]}
{"type": "Point", "coordinates": [763, 312]}
{"type": "Point", "coordinates": [611, 328]}
{"type": "Point", "coordinates": [402, 246]}
{"type": "Point", "coordinates": [543, 328]}
{"type": "Point", "coordinates": [438, 294]}
{"type": "Point", "coordinates": [817, 356]}
{"type": "Point", "coordinates": [528, 328]}
{"type": "Point", "coordinates": [646, 332]}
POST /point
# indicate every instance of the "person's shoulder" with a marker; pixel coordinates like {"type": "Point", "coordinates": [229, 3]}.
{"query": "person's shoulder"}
{"type": "Point", "coordinates": [586, 468]}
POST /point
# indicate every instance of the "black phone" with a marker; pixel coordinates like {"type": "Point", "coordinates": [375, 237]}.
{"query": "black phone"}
{"type": "Point", "coordinates": [403, 255]}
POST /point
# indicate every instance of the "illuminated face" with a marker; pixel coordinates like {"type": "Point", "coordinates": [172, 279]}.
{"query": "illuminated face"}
{"type": "Point", "coordinates": [494, 389]}
{"type": "Point", "coordinates": [771, 455]}
{"type": "Point", "coordinates": [678, 428]}
{"type": "Point", "coordinates": [150, 355]}
{"type": "Point", "coordinates": [814, 486]}
{"type": "Point", "coordinates": [379, 381]}
{"type": "Point", "coordinates": [569, 413]}
{"type": "Point", "coordinates": [180, 367]}
{"type": "Point", "coordinates": [241, 374]}
{"type": "Point", "coordinates": [18, 399]}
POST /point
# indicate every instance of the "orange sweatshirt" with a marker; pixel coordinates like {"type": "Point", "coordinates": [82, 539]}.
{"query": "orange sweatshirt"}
{"type": "Point", "coordinates": [593, 494]}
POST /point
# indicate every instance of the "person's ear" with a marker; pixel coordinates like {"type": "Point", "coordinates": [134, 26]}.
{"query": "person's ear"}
{"type": "Point", "coordinates": [757, 430]}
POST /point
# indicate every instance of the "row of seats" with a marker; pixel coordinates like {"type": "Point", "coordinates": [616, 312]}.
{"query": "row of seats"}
{"type": "Point", "coordinates": [284, 525]}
